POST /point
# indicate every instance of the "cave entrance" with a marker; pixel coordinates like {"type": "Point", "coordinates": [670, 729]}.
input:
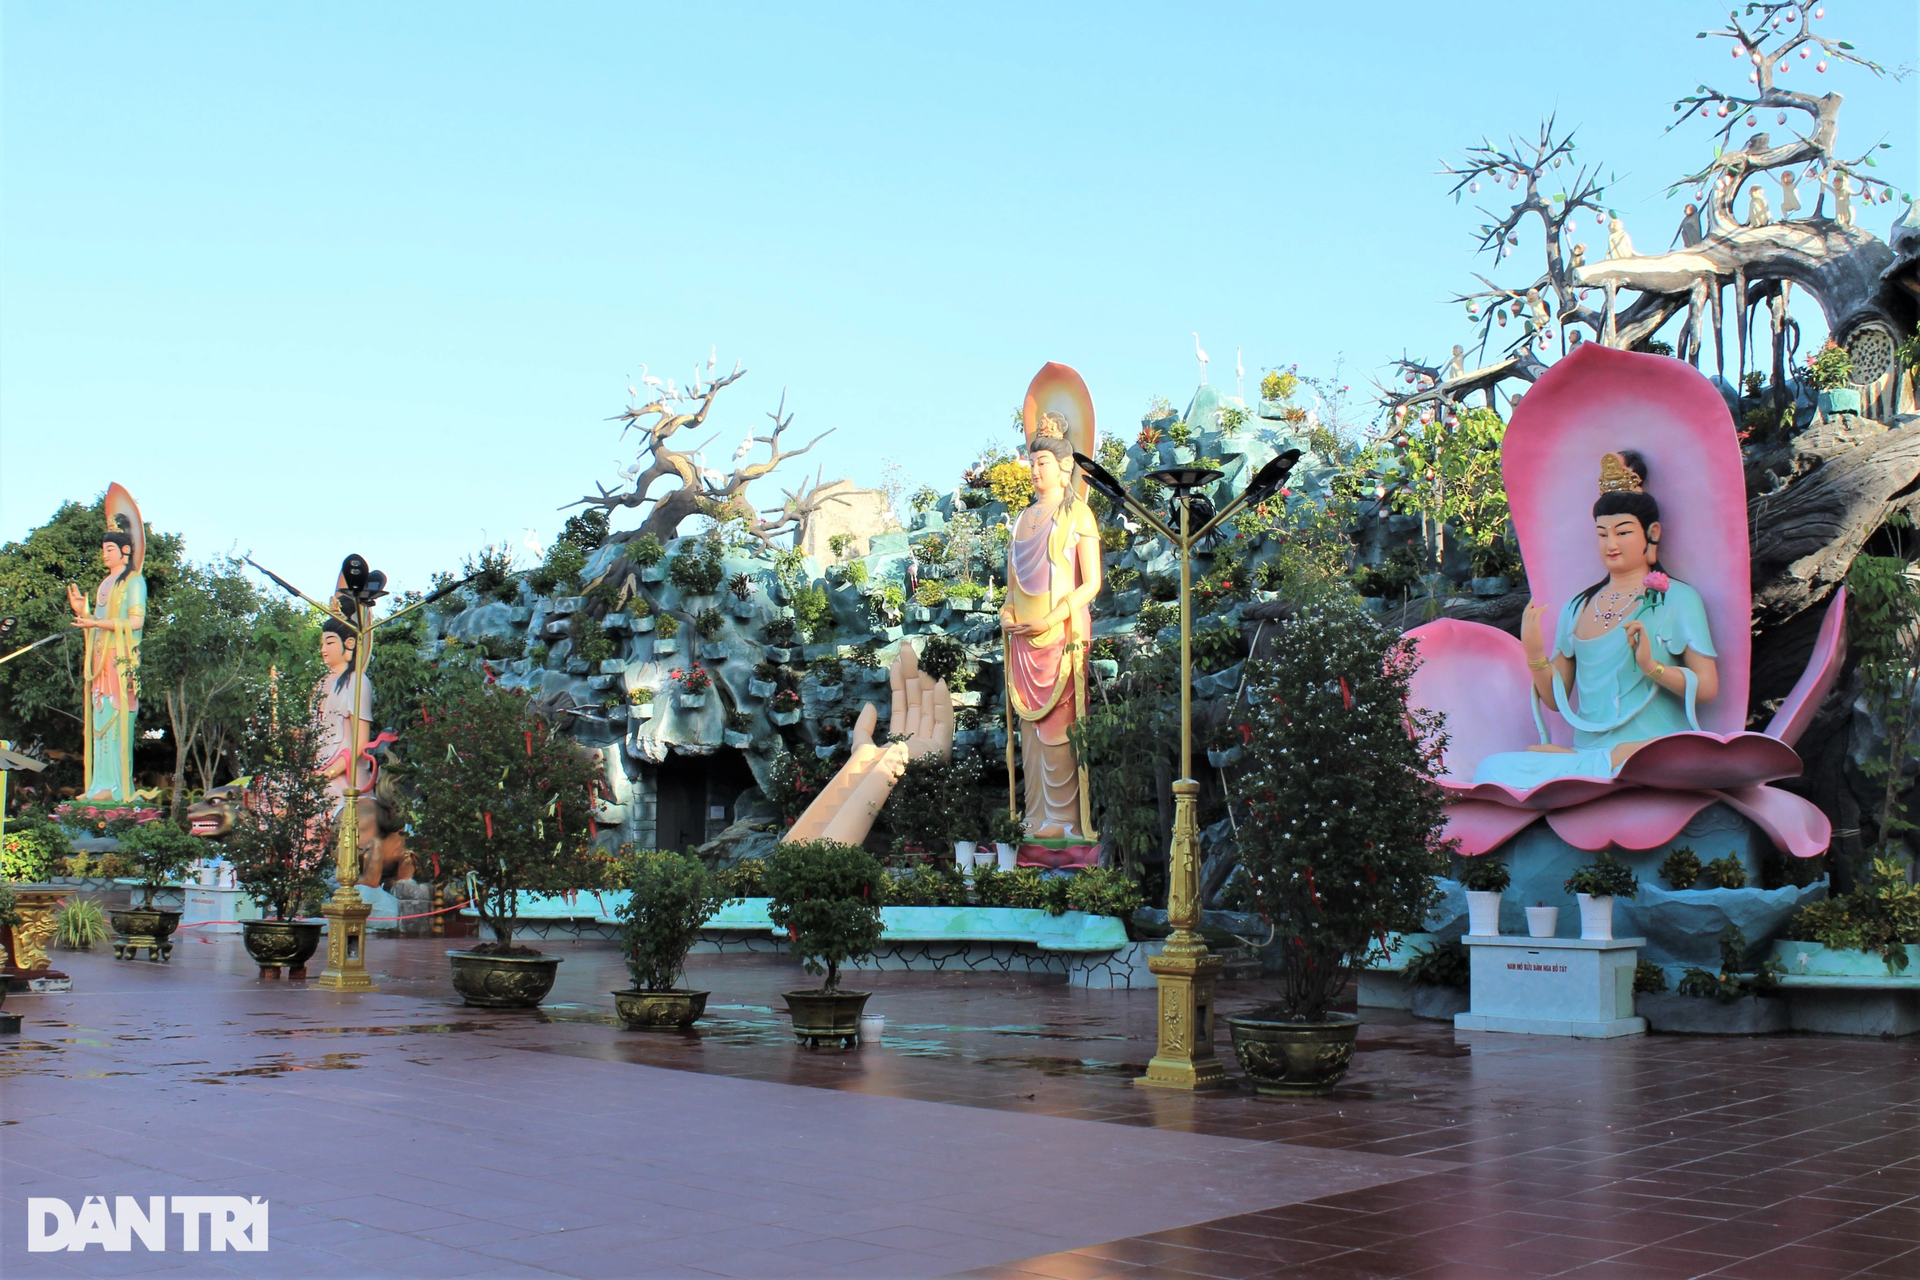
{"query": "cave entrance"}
{"type": "Point", "coordinates": [695, 797]}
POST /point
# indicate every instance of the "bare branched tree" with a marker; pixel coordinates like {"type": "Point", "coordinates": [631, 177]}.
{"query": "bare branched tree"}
{"type": "Point", "coordinates": [702, 490]}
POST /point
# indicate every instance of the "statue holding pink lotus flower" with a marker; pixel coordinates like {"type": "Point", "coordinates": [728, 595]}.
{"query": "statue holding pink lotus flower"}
{"type": "Point", "coordinates": [1629, 718]}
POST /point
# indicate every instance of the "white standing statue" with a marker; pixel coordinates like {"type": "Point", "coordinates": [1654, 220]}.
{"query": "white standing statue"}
{"type": "Point", "coordinates": [1757, 213]}
{"type": "Point", "coordinates": [1619, 243]}
{"type": "Point", "coordinates": [1457, 366]}
{"type": "Point", "coordinates": [1842, 199]}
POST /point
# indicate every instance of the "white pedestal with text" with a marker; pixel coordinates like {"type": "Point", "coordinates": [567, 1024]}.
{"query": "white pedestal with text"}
{"type": "Point", "coordinates": [1552, 986]}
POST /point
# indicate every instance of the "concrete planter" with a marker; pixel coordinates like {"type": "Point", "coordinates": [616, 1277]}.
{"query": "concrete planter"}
{"type": "Point", "coordinates": [665, 646]}
{"type": "Point", "coordinates": [776, 654]}
{"type": "Point", "coordinates": [1705, 1016]}
{"type": "Point", "coordinates": [1840, 400]}
{"type": "Point", "coordinates": [714, 651]}
{"type": "Point", "coordinates": [1596, 916]}
{"type": "Point", "coordinates": [740, 740]}
{"type": "Point", "coordinates": [784, 717]}
{"type": "Point", "coordinates": [762, 688]}
{"type": "Point", "coordinates": [690, 701]}
{"type": "Point", "coordinates": [1483, 913]}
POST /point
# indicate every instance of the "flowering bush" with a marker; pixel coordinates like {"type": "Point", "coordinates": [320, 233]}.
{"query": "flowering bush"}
{"type": "Point", "coordinates": [1343, 833]}
{"type": "Point", "coordinates": [785, 701]}
{"type": "Point", "coordinates": [104, 821]}
{"type": "Point", "coordinates": [692, 680]}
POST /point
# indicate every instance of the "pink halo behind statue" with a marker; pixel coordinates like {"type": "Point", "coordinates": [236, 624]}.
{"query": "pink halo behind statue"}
{"type": "Point", "coordinates": [1597, 401]}
{"type": "Point", "coordinates": [1058, 389]}
{"type": "Point", "coordinates": [120, 503]}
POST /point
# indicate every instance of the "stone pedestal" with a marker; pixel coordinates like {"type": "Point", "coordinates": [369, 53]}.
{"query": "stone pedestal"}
{"type": "Point", "coordinates": [1553, 986]}
{"type": "Point", "coordinates": [413, 902]}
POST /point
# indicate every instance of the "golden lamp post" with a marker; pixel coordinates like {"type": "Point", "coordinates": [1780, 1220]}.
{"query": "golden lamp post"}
{"type": "Point", "coordinates": [1184, 971]}
{"type": "Point", "coordinates": [355, 594]}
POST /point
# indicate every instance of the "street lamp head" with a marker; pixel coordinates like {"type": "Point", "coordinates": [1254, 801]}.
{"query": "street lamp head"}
{"type": "Point", "coordinates": [1101, 480]}
{"type": "Point", "coordinates": [1267, 481]}
{"type": "Point", "coordinates": [353, 573]}
{"type": "Point", "coordinates": [1181, 479]}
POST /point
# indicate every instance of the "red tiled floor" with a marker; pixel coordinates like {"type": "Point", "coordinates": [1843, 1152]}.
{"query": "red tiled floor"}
{"type": "Point", "coordinates": [1649, 1157]}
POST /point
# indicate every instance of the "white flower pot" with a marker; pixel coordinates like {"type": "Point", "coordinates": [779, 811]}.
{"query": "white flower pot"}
{"type": "Point", "coordinates": [1596, 916]}
{"type": "Point", "coordinates": [872, 1025]}
{"type": "Point", "coordinates": [963, 853]}
{"type": "Point", "coordinates": [1542, 922]}
{"type": "Point", "coordinates": [1483, 913]}
{"type": "Point", "coordinates": [1005, 854]}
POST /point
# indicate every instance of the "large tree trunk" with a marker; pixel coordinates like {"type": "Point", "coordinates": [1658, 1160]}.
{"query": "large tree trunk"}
{"type": "Point", "coordinates": [182, 748]}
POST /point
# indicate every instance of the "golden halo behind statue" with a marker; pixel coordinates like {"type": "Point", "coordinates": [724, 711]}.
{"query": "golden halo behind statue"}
{"type": "Point", "coordinates": [120, 503]}
{"type": "Point", "coordinates": [1058, 389]}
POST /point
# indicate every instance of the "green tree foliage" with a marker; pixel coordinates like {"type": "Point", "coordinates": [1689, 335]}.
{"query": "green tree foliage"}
{"type": "Point", "coordinates": [1880, 913]}
{"type": "Point", "coordinates": [501, 796]}
{"type": "Point", "coordinates": [672, 896]}
{"type": "Point", "coordinates": [1129, 741]}
{"type": "Point", "coordinates": [40, 692]}
{"type": "Point", "coordinates": [281, 845]}
{"type": "Point", "coordinates": [827, 896]}
{"type": "Point", "coordinates": [159, 853]}
{"type": "Point", "coordinates": [1885, 631]}
{"type": "Point", "coordinates": [207, 650]}
{"type": "Point", "coordinates": [1342, 833]}
{"type": "Point", "coordinates": [1451, 476]}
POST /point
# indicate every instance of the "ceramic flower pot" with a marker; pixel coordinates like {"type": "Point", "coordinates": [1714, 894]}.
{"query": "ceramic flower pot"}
{"type": "Point", "coordinates": [1483, 913]}
{"type": "Point", "coordinates": [736, 739]}
{"type": "Point", "coordinates": [148, 927]}
{"type": "Point", "coordinates": [660, 1010]}
{"type": "Point", "coordinates": [1007, 856]}
{"type": "Point", "coordinates": [503, 982]}
{"type": "Point", "coordinates": [820, 1016]}
{"type": "Point", "coordinates": [1542, 922]}
{"type": "Point", "coordinates": [281, 944]}
{"type": "Point", "coordinates": [872, 1026]}
{"type": "Point", "coordinates": [1294, 1059]}
{"type": "Point", "coordinates": [964, 852]}
{"type": "Point", "coordinates": [1596, 916]}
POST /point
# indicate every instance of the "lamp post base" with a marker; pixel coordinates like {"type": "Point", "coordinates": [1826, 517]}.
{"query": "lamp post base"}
{"type": "Point", "coordinates": [1185, 1059]}
{"type": "Point", "coordinates": [346, 917]}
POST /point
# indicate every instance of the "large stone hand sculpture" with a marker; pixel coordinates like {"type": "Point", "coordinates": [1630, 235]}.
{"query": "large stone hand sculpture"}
{"type": "Point", "coordinates": [922, 725]}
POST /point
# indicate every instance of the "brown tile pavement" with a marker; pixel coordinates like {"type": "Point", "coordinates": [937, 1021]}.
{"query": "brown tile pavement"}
{"type": "Point", "coordinates": [1661, 1156]}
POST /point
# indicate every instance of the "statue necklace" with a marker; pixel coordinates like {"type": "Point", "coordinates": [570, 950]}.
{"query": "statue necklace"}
{"type": "Point", "coordinates": [1610, 606]}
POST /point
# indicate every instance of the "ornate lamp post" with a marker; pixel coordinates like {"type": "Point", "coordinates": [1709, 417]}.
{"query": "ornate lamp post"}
{"type": "Point", "coordinates": [1185, 971]}
{"type": "Point", "coordinates": [355, 594]}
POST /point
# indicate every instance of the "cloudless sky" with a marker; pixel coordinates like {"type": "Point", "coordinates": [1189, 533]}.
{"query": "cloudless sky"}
{"type": "Point", "coordinates": [311, 278]}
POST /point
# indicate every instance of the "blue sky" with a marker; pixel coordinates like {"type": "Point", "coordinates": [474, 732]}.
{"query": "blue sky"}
{"type": "Point", "coordinates": [318, 278]}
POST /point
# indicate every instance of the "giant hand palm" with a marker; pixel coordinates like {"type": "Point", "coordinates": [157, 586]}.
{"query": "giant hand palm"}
{"type": "Point", "coordinates": [921, 724]}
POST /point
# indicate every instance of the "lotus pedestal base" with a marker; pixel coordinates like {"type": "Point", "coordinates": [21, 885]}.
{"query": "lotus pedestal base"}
{"type": "Point", "coordinates": [1553, 986]}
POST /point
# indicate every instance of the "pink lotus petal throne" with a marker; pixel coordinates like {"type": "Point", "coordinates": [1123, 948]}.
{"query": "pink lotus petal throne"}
{"type": "Point", "coordinates": [1594, 402]}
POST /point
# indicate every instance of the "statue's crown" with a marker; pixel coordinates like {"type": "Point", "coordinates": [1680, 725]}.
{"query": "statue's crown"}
{"type": "Point", "coordinates": [1616, 476]}
{"type": "Point", "coordinates": [1051, 426]}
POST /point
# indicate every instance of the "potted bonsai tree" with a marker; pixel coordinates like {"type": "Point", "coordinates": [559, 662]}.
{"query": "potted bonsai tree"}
{"type": "Point", "coordinates": [672, 896]}
{"type": "Point", "coordinates": [1343, 832]}
{"type": "Point", "coordinates": [279, 841]}
{"type": "Point", "coordinates": [1485, 878]}
{"type": "Point", "coordinates": [827, 897]}
{"type": "Point", "coordinates": [1005, 830]}
{"type": "Point", "coordinates": [158, 853]}
{"type": "Point", "coordinates": [1595, 886]}
{"type": "Point", "coordinates": [504, 801]}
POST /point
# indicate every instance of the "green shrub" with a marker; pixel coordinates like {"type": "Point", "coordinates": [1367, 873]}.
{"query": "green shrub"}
{"type": "Point", "coordinates": [672, 896]}
{"type": "Point", "coordinates": [931, 593]}
{"type": "Point", "coordinates": [1880, 913]}
{"type": "Point", "coordinates": [928, 884]}
{"type": "Point", "coordinates": [1343, 829]}
{"type": "Point", "coordinates": [644, 550]}
{"type": "Point", "coordinates": [813, 613]}
{"type": "Point", "coordinates": [941, 656]}
{"type": "Point", "coordinates": [33, 854]}
{"type": "Point", "coordinates": [666, 626]}
{"type": "Point", "coordinates": [78, 924]}
{"type": "Point", "coordinates": [158, 853]}
{"type": "Point", "coordinates": [1831, 368]}
{"type": "Point", "coordinates": [590, 640]}
{"type": "Point", "coordinates": [281, 852]}
{"type": "Point", "coordinates": [1605, 876]}
{"type": "Point", "coordinates": [1649, 978]}
{"type": "Point", "coordinates": [1681, 869]}
{"type": "Point", "coordinates": [697, 570]}
{"type": "Point", "coordinates": [9, 905]}
{"type": "Point", "coordinates": [709, 623]}
{"type": "Point", "coordinates": [1726, 873]}
{"type": "Point", "coordinates": [1445, 964]}
{"type": "Point", "coordinates": [1484, 874]}
{"type": "Point", "coordinates": [1104, 891]}
{"type": "Point", "coordinates": [781, 632]}
{"type": "Point", "coordinates": [1730, 984]}
{"type": "Point", "coordinates": [744, 878]}
{"type": "Point", "coordinates": [827, 896]}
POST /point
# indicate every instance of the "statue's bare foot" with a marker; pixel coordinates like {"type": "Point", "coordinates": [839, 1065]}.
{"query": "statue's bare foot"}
{"type": "Point", "coordinates": [1052, 831]}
